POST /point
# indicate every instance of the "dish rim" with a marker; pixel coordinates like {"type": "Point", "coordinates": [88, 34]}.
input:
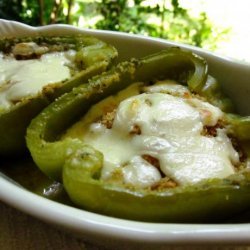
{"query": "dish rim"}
{"type": "Point", "coordinates": [85, 222]}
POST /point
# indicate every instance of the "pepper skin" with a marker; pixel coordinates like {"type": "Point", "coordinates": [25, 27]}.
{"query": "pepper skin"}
{"type": "Point", "coordinates": [78, 165]}
{"type": "Point", "coordinates": [210, 201]}
{"type": "Point", "coordinates": [93, 57]}
{"type": "Point", "coordinates": [239, 126]}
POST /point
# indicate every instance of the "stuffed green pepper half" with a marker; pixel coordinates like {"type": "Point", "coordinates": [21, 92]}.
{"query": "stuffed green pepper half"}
{"type": "Point", "coordinates": [156, 142]}
{"type": "Point", "coordinates": [36, 70]}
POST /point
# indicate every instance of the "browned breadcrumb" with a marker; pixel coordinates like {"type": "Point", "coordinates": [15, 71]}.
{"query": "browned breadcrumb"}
{"type": "Point", "coordinates": [212, 130]}
{"type": "Point", "coordinates": [164, 183]}
{"type": "Point", "coordinates": [108, 118]}
{"type": "Point", "coordinates": [186, 95]}
{"type": "Point", "coordinates": [135, 130]}
{"type": "Point", "coordinates": [152, 160]}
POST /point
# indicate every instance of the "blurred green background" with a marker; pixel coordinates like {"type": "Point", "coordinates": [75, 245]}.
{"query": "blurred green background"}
{"type": "Point", "coordinates": [195, 22]}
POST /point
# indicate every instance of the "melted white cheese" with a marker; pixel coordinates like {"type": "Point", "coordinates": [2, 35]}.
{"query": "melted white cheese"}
{"type": "Point", "coordinates": [168, 87]}
{"type": "Point", "coordinates": [23, 78]}
{"type": "Point", "coordinates": [140, 172]}
{"type": "Point", "coordinates": [170, 131]}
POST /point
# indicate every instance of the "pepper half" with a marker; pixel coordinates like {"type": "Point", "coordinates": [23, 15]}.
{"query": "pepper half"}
{"type": "Point", "coordinates": [89, 56]}
{"type": "Point", "coordinates": [78, 165]}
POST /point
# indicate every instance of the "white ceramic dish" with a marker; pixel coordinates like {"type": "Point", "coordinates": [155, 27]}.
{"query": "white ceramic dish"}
{"type": "Point", "coordinates": [234, 77]}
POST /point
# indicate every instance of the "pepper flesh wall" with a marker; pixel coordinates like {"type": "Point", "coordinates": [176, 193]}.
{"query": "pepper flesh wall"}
{"type": "Point", "coordinates": [35, 71]}
{"type": "Point", "coordinates": [167, 195]}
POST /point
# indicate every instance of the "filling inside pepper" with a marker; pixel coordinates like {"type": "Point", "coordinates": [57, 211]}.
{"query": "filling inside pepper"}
{"type": "Point", "coordinates": [158, 136]}
{"type": "Point", "coordinates": [28, 68]}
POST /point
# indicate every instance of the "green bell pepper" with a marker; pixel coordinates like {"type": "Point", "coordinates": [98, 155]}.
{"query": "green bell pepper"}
{"type": "Point", "coordinates": [239, 126]}
{"type": "Point", "coordinates": [92, 56]}
{"type": "Point", "coordinates": [79, 165]}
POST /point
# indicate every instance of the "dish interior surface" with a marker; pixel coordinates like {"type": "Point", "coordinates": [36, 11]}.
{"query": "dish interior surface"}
{"type": "Point", "coordinates": [234, 77]}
